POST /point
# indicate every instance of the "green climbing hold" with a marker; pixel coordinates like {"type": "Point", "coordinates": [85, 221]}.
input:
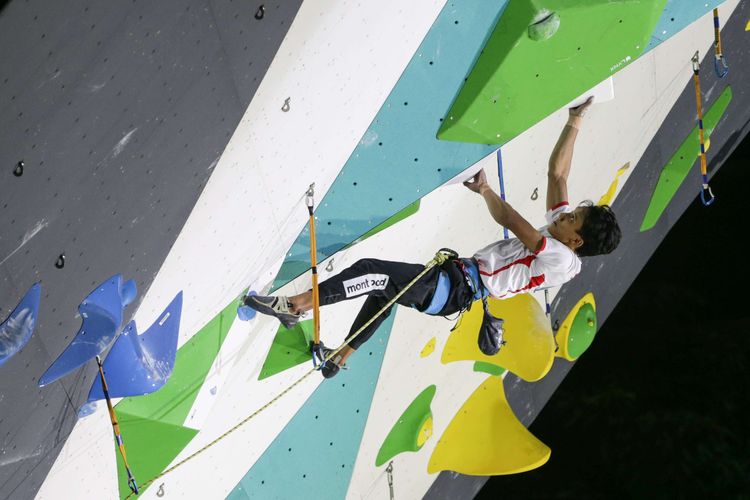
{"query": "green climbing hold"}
{"type": "Point", "coordinates": [492, 369]}
{"type": "Point", "coordinates": [531, 67]}
{"type": "Point", "coordinates": [582, 331]}
{"type": "Point", "coordinates": [412, 429]}
{"type": "Point", "coordinates": [544, 28]}
{"type": "Point", "coordinates": [289, 348]}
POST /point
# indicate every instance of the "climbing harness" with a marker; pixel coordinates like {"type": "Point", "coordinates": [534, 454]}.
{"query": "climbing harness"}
{"type": "Point", "coordinates": [720, 64]}
{"type": "Point", "coordinates": [389, 470]}
{"type": "Point", "coordinates": [116, 428]}
{"type": "Point", "coordinates": [440, 257]}
{"type": "Point", "coordinates": [502, 184]}
{"type": "Point", "coordinates": [316, 347]}
{"type": "Point", "coordinates": [707, 196]}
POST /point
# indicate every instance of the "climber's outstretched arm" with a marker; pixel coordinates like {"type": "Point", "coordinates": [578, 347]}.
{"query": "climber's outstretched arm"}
{"type": "Point", "coordinates": [504, 214]}
{"type": "Point", "coordinates": [561, 157]}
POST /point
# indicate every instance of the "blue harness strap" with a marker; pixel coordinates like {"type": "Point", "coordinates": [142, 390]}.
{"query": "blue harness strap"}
{"type": "Point", "coordinates": [471, 269]}
{"type": "Point", "coordinates": [443, 289]}
{"type": "Point", "coordinates": [440, 297]}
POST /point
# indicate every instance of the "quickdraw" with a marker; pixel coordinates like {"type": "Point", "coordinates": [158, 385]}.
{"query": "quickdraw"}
{"type": "Point", "coordinates": [707, 196]}
{"type": "Point", "coordinates": [720, 64]}
{"type": "Point", "coordinates": [116, 429]}
{"type": "Point", "coordinates": [316, 348]}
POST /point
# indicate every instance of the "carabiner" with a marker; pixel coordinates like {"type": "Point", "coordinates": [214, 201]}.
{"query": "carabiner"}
{"type": "Point", "coordinates": [318, 358]}
{"type": "Point", "coordinates": [721, 66]}
{"type": "Point", "coordinates": [707, 190]}
{"type": "Point", "coordinates": [310, 195]}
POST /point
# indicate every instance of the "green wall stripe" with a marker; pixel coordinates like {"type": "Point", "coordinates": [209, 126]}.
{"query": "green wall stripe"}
{"type": "Point", "coordinates": [678, 167]}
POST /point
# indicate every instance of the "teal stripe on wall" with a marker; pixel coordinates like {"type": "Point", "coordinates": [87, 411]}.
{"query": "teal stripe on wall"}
{"type": "Point", "coordinates": [399, 159]}
{"type": "Point", "coordinates": [313, 457]}
{"type": "Point", "coordinates": [678, 14]}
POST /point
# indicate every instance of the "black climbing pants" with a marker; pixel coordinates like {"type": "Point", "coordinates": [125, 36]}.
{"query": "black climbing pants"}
{"type": "Point", "coordinates": [382, 280]}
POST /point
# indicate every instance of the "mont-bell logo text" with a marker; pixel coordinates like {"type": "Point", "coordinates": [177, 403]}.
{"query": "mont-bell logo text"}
{"type": "Point", "coordinates": [365, 284]}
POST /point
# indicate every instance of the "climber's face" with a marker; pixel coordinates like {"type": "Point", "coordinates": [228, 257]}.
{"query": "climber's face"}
{"type": "Point", "coordinates": [566, 229]}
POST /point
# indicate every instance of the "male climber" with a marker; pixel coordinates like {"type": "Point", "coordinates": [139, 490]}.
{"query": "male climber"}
{"type": "Point", "coordinates": [544, 257]}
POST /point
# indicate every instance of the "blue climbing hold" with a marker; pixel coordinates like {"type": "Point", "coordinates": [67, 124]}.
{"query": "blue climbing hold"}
{"type": "Point", "coordinates": [141, 364]}
{"type": "Point", "coordinates": [128, 292]}
{"type": "Point", "coordinates": [102, 315]}
{"type": "Point", "coordinates": [16, 330]}
{"type": "Point", "coordinates": [246, 313]}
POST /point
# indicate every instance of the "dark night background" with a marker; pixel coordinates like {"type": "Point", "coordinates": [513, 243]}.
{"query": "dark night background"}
{"type": "Point", "coordinates": [656, 407]}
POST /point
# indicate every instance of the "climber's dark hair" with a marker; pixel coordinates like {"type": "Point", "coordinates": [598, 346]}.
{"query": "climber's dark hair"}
{"type": "Point", "coordinates": [600, 232]}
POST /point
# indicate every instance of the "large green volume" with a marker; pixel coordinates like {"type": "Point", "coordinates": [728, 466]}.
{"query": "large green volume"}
{"type": "Point", "coordinates": [541, 55]}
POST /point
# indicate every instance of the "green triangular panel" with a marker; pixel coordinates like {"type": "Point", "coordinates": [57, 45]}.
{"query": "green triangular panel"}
{"type": "Point", "coordinates": [582, 331]}
{"type": "Point", "coordinates": [541, 55]}
{"type": "Point", "coordinates": [150, 447]}
{"type": "Point", "coordinates": [290, 348]}
{"type": "Point", "coordinates": [404, 435]}
{"type": "Point", "coordinates": [172, 403]}
{"type": "Point", "coordinates": [679, 165]}
{"type": "Point", "coordinates": [492, 369]}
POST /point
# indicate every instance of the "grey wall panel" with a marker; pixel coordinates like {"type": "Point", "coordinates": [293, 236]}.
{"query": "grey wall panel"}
{"type": "Point", "coordinates": [609, 277]}
{"type": "Point", "coordinates": [120, 111]}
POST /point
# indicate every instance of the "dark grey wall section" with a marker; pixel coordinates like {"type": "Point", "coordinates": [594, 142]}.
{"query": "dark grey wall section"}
{"type": "Point", "coordinates": [119, 111]}
{"type": "Point", "coordinates": [618, 270]}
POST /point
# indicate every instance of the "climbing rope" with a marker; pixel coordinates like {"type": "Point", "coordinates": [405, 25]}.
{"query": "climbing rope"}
{"type": "Point", "coordinates": [440, 257]}
{"type": "Point", "coordinates": [317, 353]}
{"type": "Point", "coordinates": [720, 64]}
{"type": "Point", "coordinates": [502, 184]}
{"type": "Point", "coordinates": [707, 196]}
{"type": "Point", "coordinates": [116, 429]}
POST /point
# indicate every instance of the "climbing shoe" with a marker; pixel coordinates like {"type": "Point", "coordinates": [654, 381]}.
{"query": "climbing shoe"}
{"type": "Point", "coordinates": [278, 307]}
{"type": "Point", "coordinates": [331, 367]}
{"type": "Point", "coordinates": [491, 333]}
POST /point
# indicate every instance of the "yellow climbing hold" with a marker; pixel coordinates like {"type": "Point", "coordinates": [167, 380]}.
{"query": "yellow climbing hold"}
{"type": "Point", "coordinates": [577, 331]}
{"type": "Point", "coordinates": [486, 439]}
{"type": "Point", "coordinates": [429, 348]}
{"type": "Point", "coordinates": [747, 26]}
{"type": "Point", "coordinates": [530, 348]}
{"type": "Point", "coordinates": [425, 432]}
{"type": "Point", "coordinates": [610, 194]}
{"type": "Point", "coordinates": [706, 145]}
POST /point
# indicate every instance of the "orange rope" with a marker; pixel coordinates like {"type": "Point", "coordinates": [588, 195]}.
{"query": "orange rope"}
{"type": "Point", "coordinates": [314, 265]}
{"type": "Point", "coordinates": [717, 34]}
